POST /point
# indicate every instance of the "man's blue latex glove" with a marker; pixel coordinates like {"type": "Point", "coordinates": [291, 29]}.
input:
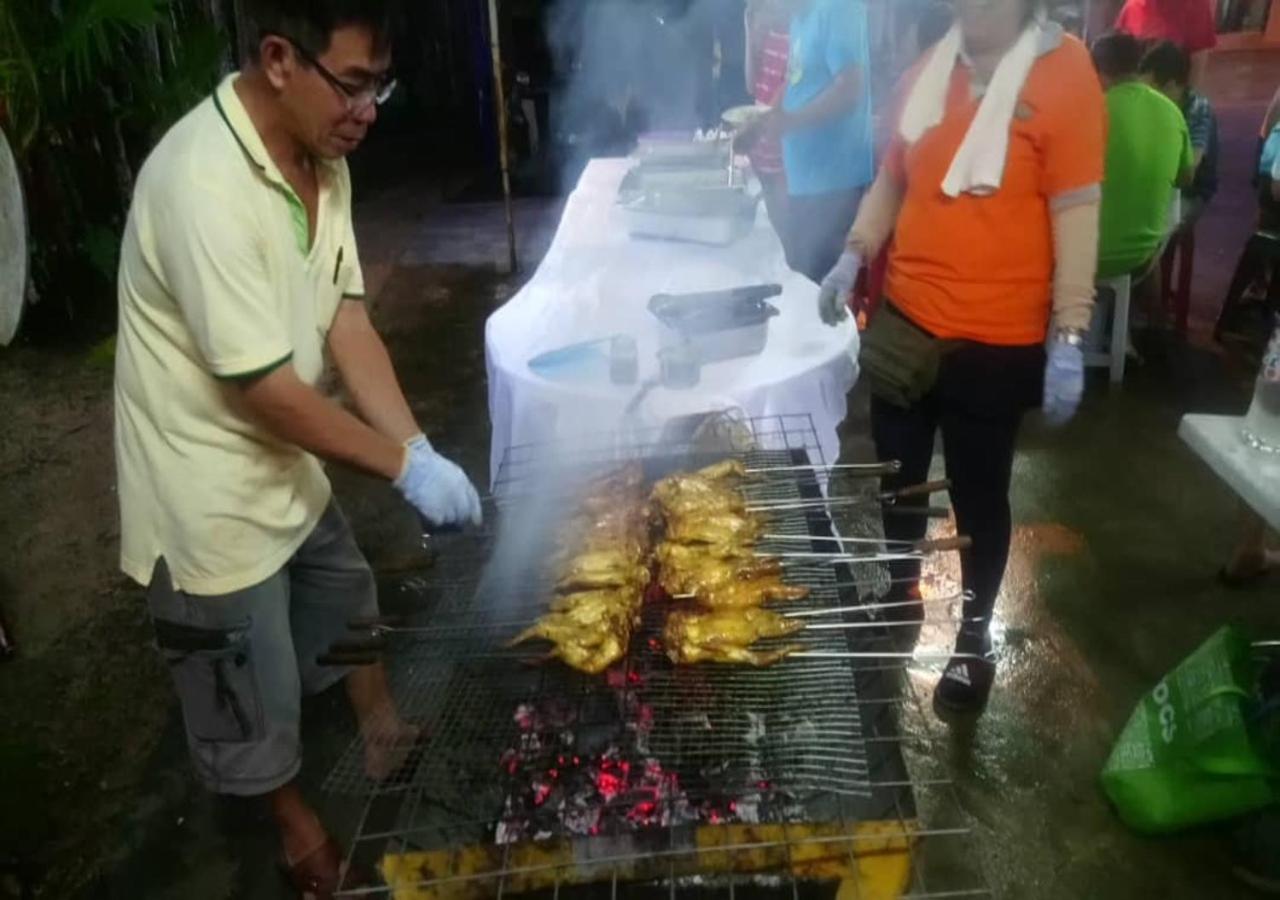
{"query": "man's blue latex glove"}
{"type": "Point", "coordinates": [1063, 381]}
{"type": "Point", "coordinates": [833, 295]}
{"type": "Point", "coordinates": [437, 488]}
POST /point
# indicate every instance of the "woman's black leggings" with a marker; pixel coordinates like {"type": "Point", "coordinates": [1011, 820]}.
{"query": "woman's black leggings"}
{"type": "Point", "coordinates": [977, 403]}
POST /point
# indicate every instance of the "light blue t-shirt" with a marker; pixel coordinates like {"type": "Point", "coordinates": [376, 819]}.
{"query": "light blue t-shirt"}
{"type": "Point", "coordinates": [827, 37]}
{"type": "Point", "coordinates": [1269, 164]}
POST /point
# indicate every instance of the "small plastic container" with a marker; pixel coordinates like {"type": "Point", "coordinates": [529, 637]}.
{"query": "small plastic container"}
{"type": "Point", "coordinates": [680, 366]}
{"type": "Point", "coordinates": [624, 360]}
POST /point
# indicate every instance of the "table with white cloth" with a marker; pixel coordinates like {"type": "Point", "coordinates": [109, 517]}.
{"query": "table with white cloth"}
{"type": "Point", "coordinates": [1254, 475]}
{"type": "Point", "coordinates": [596, 281]}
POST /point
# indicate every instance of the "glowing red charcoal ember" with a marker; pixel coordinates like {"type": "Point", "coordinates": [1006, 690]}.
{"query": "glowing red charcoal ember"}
{"type": "Point", "coordinates": [609, 784]}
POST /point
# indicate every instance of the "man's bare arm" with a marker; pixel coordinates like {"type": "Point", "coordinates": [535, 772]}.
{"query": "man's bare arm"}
{"type": "Point", "coordinates": [298, 414]}
{"type": "Point", "coordinates": [877, 216]}
{"type": "Point", "coordinates": [365, 367]}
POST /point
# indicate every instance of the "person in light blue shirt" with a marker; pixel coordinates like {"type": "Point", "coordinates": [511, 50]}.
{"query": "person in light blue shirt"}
{"type": "Point", "coordinates": [824, 119]}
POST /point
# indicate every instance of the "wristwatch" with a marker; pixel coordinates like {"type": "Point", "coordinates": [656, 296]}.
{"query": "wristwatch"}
{"type": "Point", "coordinates": [1072, 336]}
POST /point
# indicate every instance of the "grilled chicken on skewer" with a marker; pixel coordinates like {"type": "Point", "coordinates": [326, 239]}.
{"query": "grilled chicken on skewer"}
{"type": "Point", "coordinates": [682, 570]}
{"type": "Point", "coordinates": [625, 530]}
{"type": "Point", "coordinates": [741, 593]}
{"type": "Point", "coordinates": [590, 630]}
{"type": "Point", "coordinates": [725, 470]}
{"type": "Point", "coordinates": [714, 528]}
{"type": "Point", "coordinates": [600, 561]}
{"type": "Point", "coordinates": [587, 650]}
{"type": "Point", "coordinates": [688, 494]}
{"type": "Point", "coordinates": [726, 636]}
{"type": "Point", "coordinates": [669, 553]}
{"type": "Point", "coordinates": [601, 569]}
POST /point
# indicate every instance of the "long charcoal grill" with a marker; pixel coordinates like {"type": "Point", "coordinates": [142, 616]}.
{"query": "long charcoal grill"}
{"type": "Point", "coordinates": [649, 780]}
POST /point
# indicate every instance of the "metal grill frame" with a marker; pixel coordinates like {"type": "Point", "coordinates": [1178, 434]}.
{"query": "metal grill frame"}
{"type": "Point", "coordinates": [426, 684]}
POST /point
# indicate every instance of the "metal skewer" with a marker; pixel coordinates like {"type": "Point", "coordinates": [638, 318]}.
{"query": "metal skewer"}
{"type": "Point", "coordinates": [857, 584]}
{"type": "Point", "coordinates": [860, 541]}
{"type": "Point", "coordinates": [885, 501]}
{"type": "Point", "coordinates": [872, 583]}
{"type": "Point", "coordinates": [853, 626]}
{"type": "Point", "coordinates": [874, 607]}
{"type": "Point", "coordinates": [849, 559]}
{"type": "Point", "coordinates": [885, 654]}
{"type": "Point", "coordinates": [887, 497]}
{"type": "Point", "coordinates": [887, 467]}
{"type": "Point", "coordinates": [922, 549]}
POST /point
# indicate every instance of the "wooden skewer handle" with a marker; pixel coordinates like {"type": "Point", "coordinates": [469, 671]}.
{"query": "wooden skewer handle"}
{"type": "Point", "coordinates": [960, 542]}
{"type": "Point", "coordinates": [923, 490]}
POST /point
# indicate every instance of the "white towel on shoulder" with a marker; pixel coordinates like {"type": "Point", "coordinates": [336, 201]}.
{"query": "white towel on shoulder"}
{"type": "Point", "coordinates": [978, 166]}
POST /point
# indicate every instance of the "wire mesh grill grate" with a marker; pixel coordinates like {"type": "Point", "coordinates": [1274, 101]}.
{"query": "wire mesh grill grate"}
{"type": "Point", "coordinates": [636, 764]}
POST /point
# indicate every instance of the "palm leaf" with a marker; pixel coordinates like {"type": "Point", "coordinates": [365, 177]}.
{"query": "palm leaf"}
{"type": "Point", "coordinates": [96, 33]}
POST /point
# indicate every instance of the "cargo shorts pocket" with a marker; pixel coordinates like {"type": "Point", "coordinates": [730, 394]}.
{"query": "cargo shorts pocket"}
{"type": "Point", "coordinates": [213, 673]}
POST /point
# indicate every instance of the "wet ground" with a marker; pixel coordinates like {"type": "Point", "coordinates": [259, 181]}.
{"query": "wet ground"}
{"type": "Point", "coordinates": [1119, 531]}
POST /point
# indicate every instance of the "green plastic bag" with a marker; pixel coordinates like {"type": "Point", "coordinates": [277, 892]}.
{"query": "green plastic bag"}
{"type": "Point", "coordinates": [1191, 752]}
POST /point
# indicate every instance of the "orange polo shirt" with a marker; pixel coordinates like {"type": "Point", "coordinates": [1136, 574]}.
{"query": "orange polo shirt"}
{"type": "Point", "coordinates": [981, 268]}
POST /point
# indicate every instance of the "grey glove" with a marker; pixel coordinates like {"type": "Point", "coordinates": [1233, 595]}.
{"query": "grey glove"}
{"type": "Point", "coordinates": [436, 487]}
{"type": "Point", "coordinates": [833, 295]}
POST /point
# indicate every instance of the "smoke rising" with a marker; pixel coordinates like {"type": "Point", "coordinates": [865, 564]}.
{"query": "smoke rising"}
{"type": "Point", "coordinates": [625, 67]}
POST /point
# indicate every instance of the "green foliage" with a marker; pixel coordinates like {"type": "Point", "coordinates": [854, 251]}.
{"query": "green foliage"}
{"type": "Point", "coordinates": [86, 89]}
{"type": "Point", "coordinates": [157, 103]}
{"type": "Point", "coordinates": [102, 250]}
{"type": "Point", "coordinates": [95, 34]}
{"type": "Point", "coordinates": [103, 354]}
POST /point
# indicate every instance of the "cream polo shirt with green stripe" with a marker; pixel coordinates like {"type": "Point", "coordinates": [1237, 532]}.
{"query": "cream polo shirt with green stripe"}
{"type": "Point", "coordinates": [217, 282]}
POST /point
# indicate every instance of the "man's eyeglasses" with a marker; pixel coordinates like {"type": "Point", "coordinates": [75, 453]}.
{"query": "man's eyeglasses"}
{"type": "Point", "coordinates": [357, 97]}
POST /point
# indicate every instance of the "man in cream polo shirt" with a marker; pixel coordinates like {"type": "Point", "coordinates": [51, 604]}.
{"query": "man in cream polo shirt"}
{"type": "Point", "coordinates": [239, 272]}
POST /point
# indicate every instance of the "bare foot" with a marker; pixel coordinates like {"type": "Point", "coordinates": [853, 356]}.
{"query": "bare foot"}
{"type": "Point", "coordinates": [301, 833]}
{"type": "Point", "coordinates": [387, 746]}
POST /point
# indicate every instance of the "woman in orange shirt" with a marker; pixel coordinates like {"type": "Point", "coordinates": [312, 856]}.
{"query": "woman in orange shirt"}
{"type": "Point", "coordinates": [990, 190]}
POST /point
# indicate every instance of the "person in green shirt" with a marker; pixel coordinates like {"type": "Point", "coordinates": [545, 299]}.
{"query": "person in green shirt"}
{"type": "Point", "coordinates": [1148, 156]}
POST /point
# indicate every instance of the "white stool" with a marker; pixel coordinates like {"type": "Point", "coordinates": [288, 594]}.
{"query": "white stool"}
{"type": "Point", "coordinates": [1120, 288]}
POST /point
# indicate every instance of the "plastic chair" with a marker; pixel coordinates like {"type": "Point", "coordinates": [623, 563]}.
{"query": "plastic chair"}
{"type": "Point", "coordinates": [1121, 288]}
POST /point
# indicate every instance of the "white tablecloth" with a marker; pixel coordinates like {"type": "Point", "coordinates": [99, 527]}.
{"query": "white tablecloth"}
{"type": "Point", "coordinates": [596, 280]}
{"type": "Point", "coordinates": [1252, 474]}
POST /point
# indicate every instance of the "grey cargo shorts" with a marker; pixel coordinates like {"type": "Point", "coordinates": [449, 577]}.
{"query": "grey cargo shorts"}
{"type": "Point", "coordinates": [242, 661]}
